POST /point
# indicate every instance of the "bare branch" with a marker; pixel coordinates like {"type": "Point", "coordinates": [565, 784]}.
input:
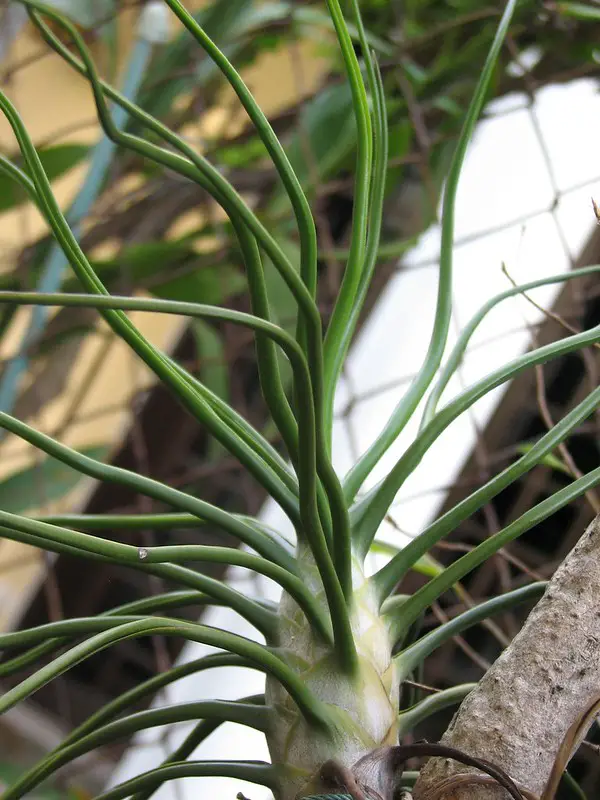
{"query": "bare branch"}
{"type": "Point", "coordinates": [523, 709]}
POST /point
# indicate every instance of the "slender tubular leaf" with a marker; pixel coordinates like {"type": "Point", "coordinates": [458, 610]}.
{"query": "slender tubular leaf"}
{"type": "Point", "coordinates": [121, 324]}
{"type": "Point", "coordinates": [393, 572]}
{"type": "Point", "coordinates": [224, 193]}
{"type": "Point", "coordinates": [405, 409]}
{"type": "Point", "coordinates": [573, 787]}
{"type": "Point", "coordinates": [338, 331]}
{"type": "Point", "coordinates": [409, 719]}
{"type": "Point", "coordinates": [72, 628]}
{"type": "Point", "coordinates": [234, 206]}
{"type": "Point", "coordinates": [160, 521]}
{"type": "Point", "coordinates": [168, 520]}
{"type": "Point", "coordinates": [342, 543]}
{"type": "Point", "coordinates": [314, 710]}
{"type": "Point", "coordinates": [185, 166]}
{"type": "Point", "coordinates": [268, 366]}
{"type": "Point", "coordinates": [253, 716]}
{"type": "Point", "coordinates": [411, 656]}
{"type": "Point", "coordinates": [254, 611]}
{"type": "Point", "coordinates": [263, 619]}
{"type": "Point", "coordinates": [126, 554]}
{"type": "Point", "coordinates": [249, 534]}
{"type": "Point", "coordinates": [151, 686]}
{"type": "Point", "coordinates": [199, 733]}
{"type": "Point", "coordinates": [159, 602]}
{"type": "Point", "coordinates": [463, 340]}
{"type": "Point", "coordinates": [19, 176]}
{"type": "Point", "coordinates": [375, 505]}
{"type": "Point", "coordinates": [381, 144]}
{"type": "Point", "coordinates": [17, 663]}
{"type": "Point", "coordinates": [380, 165]}
{"type": "Point", "coordinates": [211, 180]}
{"type": "Point", "coordinates": [248, 435]}
{"type": "Point", "coordinates": [341, 533]}
{"type": "Point", "coordinates": [191, 742]}
{"type": "Point", "coordinates": [437, 586]}
{"type": "Point", "coordinates": [167, 600]}
{"type": "Point", "coordinates": [311, 525]}
{"type": "Point", "coordinates": [252, 771]}
{"type": "Point", "coordinates": [245, 432]}
{"type": "Point", "coordinates": [302, 211]}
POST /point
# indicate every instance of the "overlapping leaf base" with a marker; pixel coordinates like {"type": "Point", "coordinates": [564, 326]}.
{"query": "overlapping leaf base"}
{"type": "Point", "coordinates": [365, 705]}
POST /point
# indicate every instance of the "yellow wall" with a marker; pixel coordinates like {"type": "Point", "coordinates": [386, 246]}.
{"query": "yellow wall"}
{"type": "Point", "coordinates": [51, 98]}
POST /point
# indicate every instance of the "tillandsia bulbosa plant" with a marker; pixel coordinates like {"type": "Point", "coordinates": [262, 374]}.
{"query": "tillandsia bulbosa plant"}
{"type": "Point", "coordinates": [339, 644]}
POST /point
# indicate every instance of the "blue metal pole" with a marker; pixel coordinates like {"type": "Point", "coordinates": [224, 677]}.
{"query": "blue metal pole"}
{"type": "Point", "coordinates": [152, 30]}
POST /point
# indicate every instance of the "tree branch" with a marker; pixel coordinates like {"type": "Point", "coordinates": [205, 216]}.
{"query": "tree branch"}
{"type": "Point", "coordinates": [522, 709]}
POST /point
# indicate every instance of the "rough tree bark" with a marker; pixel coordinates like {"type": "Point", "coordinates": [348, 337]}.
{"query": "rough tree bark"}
{"type": "Point", "coordinates": [521, 710]}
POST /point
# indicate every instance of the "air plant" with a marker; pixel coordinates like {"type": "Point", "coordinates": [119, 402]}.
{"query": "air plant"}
{"type": "Point", "coordinates": [338, 645]}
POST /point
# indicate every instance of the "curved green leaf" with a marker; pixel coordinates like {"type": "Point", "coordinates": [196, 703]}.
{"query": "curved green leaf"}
{"type": "Point", "coordinates": [408, 658]}
{"type": "Point", "coordinates": [375, 505]}
{"type": "Point", "coordinates": [409, 719]}
{"type": "Point", "coordinates": [438, 585]}
{"type": "Point", "coordinates": [254, 772]}
{"type": "Point", "coordinates": [251, 715]}
{"type": "Point", "coordinates": [411, 399]}
{"type": "Point", "coordinates": [314, 710]}
{"type": "Point", "coordinates": [126, 554]}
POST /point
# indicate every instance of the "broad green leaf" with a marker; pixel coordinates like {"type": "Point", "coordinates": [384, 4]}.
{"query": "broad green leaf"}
{"type": "Point", "coordinates": [401, 136]}
{"type": "Point", "coordinates": [416, 74]}
{"type": "Point", "coordinates": [145, 259]}
{"type": "Point", "coordinates": [211, 285]}
{"type": "Point", "coordinates": [449, 105]}
{"type": "Point", "coordinates": [42, 483]}
{"type": "Point", "coordinates": [327, 118]}
{"type": "Point", "coordinates": [284, 308]}
{"type": "Point", "coordinates": [155, 265]}
{"type": "Point", "coordinates": [56, 160]}
{"type": "Point", "coordinates": [315, 17]}
{"type": "Point", "coordinates": [243, 154]}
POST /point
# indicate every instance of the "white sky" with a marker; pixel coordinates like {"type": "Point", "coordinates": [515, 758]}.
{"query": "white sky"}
{"type": "Point", "coordinates": [505, 178]}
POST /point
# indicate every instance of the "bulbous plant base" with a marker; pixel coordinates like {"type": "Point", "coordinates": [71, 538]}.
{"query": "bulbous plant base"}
{"type": "Point", "coordinates": [364, 706]}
